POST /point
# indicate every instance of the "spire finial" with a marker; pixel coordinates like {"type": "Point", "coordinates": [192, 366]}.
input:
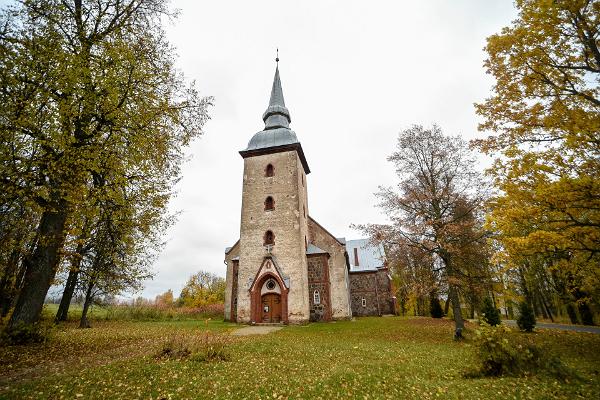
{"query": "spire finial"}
{"type": "Point", "coordinates": [277, 58]}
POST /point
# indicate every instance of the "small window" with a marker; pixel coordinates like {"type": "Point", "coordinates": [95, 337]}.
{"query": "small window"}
{"type": "Point", "coordinates": [270, 171]}
{"type": "Point", "coordinates": [269, 204]}
{"type": "Point", "coordinates": [364, 302]}
{"type": "Point", "coordinates": [356, 257]}
{"type": "Point", "coordinates": [316, 297]}
{"type": "Point", "coordinates": [271, 284]}
{"type": "Point", "coordinates": [269, 238]}
{"type": "Point", "coordinates": [304, 207]}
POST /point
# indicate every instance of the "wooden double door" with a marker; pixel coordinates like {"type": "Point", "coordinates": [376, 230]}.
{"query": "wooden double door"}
{"type": "Point", "coordinates": [271, 307]}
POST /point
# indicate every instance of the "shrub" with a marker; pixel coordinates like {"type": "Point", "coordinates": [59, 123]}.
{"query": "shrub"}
{"type": "Point", "coordinates": [206, 348]}
{"type": "Point", "coordinates": [526, 320]}
{"type": "Point", "coordinates": [174, 349]}
{"type": "Point", "coordinates": [435, 308]}
{"type": "Point", "coordinates": [500, 355]}
{"type": "Point", "coordinates": [491, 315]}
{"type": "Point", "coordinates": [23, 334]}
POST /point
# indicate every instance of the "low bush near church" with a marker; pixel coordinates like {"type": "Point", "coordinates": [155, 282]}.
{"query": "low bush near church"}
{"type": "Point", "coordinates": [200, 348]}
{"type": "Point", "coordinates": [500, 353]}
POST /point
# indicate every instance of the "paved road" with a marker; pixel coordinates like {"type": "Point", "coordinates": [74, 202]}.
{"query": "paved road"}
{"type": "Point", "coordinates": [562, 327]}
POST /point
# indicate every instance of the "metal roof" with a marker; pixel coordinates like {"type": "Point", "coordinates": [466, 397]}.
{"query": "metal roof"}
{"type": "Point", "coordinates": [312, 249]}
{"type": "Point", "coordinates": [370, 257]}
{"type": "Point", "coordinates": [272, 138]}
{"type": "Point", "coordinates": [277, 120]}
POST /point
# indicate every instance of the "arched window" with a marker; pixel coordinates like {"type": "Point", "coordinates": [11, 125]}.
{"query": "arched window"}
{"type": "Point", "coordinates": [269, 238]}
{"type": "Point", "coordinates": [269, 171]}
{"type": "Point", "coordinates": [316, 297]}
{"type": "Point", "coordinates": [269, 204]}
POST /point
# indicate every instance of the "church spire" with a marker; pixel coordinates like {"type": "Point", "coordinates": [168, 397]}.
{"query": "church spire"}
{"type": "Point", "coordinates": [277, 115]}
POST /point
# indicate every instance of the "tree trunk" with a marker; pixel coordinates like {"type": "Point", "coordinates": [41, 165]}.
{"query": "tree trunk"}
{"type": "Point", "coordinates": [447, 305]}
{"type": "Point", "coordinates": [65, 301]}
{"type": "Point", "coordinates": [8, 283]}
{"type": "Point", "coordinates": [459, 324]}
{"type": "Point", "coordinates": [40, 267]}
{"type": "Point", "coordinates": [84, 323]}
{"type": "Point", "coordinates": [545, 306]}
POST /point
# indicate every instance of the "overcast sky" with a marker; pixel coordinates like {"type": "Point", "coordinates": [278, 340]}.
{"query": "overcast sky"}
{"type": "Point", "coordinates": [354, 74]}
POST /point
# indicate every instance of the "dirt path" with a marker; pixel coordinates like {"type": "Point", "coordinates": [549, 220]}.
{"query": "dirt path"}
{"type": "Point", "coordinates": [256, 330]}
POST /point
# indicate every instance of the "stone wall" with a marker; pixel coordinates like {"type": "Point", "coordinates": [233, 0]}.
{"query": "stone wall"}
{"type": "Point", "coordinates": [318, 280]}
{"type": "Point", "coordinates": [230, 288]}
{"type": "Point", "coordinates": [338, 272]}
{"type": "Point", "coordinates": [286, 221]}
{"type": "Point", "coordinates": [371, 293]}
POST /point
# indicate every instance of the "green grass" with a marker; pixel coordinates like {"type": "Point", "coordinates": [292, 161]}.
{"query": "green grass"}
{"type": "Point", "coordinates": [368, 358]}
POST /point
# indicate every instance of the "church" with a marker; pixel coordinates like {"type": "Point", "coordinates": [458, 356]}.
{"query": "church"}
{"type": "Point", "coordinates": [286, 267]}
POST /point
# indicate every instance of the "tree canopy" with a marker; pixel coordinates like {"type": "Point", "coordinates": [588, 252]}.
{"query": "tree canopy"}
{"type": "Point", "coordinates": [91, 99]}
{"type": "Point", "coordinates": [544, 120]}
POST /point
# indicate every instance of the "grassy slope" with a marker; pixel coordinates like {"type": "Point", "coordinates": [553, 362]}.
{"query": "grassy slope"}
{"type": "Point", "coordinates": [367, 358]}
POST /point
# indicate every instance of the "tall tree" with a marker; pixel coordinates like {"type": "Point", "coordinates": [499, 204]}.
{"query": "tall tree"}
{"type": "Point", "coordinates": [435, 205]}
{"type": "Point", "coordinates": [544, 115]}
{"type": "Point", "coordinates": [88, 89]}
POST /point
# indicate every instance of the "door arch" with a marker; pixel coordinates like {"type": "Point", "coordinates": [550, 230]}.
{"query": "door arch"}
{"type": "Point", "coordinates": [276, 301]}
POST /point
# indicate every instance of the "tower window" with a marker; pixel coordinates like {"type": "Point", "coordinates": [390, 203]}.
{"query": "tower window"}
{"type": "Point", "coordinates": [316, 297]}
{"type": "Point", "coordinates": [269, 238]}
{"type": "Point", "coordinates": [269, 204]}
{"type": "Point", "coordinates": [270, 170]}
{"type": "Point", "coordinates": [364, 302]}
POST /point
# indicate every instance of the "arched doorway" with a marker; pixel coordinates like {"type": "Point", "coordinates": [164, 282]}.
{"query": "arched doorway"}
{"type": "Point", "coordinates": [271, 308]}
{"type": "Point", "coordinates": [268, 296]}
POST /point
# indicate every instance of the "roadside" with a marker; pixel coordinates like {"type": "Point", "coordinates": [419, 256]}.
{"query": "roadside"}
{"type": "Point", "coordinates": [562, 327]}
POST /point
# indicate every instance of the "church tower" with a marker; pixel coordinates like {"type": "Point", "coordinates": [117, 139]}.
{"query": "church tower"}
{"type": "Point", "coordinates": [267, 279]}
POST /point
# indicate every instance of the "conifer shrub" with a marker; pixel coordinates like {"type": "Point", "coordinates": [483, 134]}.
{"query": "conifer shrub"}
{"type": "Point", "coordinates": [526, 320]}
{"type": "Point", "coordinates": [435, 308]}
{"type": "Point", "coordinates": [491, 315]}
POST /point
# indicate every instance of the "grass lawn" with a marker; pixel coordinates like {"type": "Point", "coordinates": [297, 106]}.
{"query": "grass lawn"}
{"type": "Point", "coordinates": [369, 358]}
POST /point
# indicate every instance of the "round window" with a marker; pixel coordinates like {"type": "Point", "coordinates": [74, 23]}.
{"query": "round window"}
{"type": "Point", "coordinates": [270, 284]}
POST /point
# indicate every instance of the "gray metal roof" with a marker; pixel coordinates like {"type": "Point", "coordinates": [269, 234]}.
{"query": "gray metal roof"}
{"type": "Point", "coordinates": [272, 138]}
{"type": "Point", "coordinates": [369, 257]}
{"type": "Point", "coordinates": [312, 249]}
{"type": "Point", "coordinates": [277, 120]}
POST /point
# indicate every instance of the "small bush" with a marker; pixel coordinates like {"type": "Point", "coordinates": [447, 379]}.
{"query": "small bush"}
{"type": "Point", "coordinates": [206, 348]}
{"type": "Point", "coordinates": [23, 334]}
{"type": "Point", "coordinates": [526, 320]}
{"type": "Point", "coordinates": [435, 308]}
{"type": "Point", "coordinates": [490, 313]}
{"type": "Point", "coordinates": [499, 354]}
{"type": "Point", "coordinates": [175, 348]}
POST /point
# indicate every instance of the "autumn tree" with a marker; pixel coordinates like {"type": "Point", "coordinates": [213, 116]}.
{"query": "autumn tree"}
{"type": "Point", "coordinates": [544, 119]}
{"type": "Point", "coordinates": [165, 299]}
{"type": "Point", "coordinates": [88, 90]}
{"type": "Point", "coordinates": [435, 206]}
{"type": "Point", "coordinates": [202, 288]}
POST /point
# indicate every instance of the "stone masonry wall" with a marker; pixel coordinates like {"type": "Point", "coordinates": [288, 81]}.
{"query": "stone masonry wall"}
{"type": "Point", "coordinates": [338, 273]}
{"type": "Point", "coordinates": [318, 279]}
{"type": "Point", "coordinates": [376, 290]}
{"type": "Point", "coordinates": [230, 294]}
{"type": "Point", "coordinates": [286, 221]}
